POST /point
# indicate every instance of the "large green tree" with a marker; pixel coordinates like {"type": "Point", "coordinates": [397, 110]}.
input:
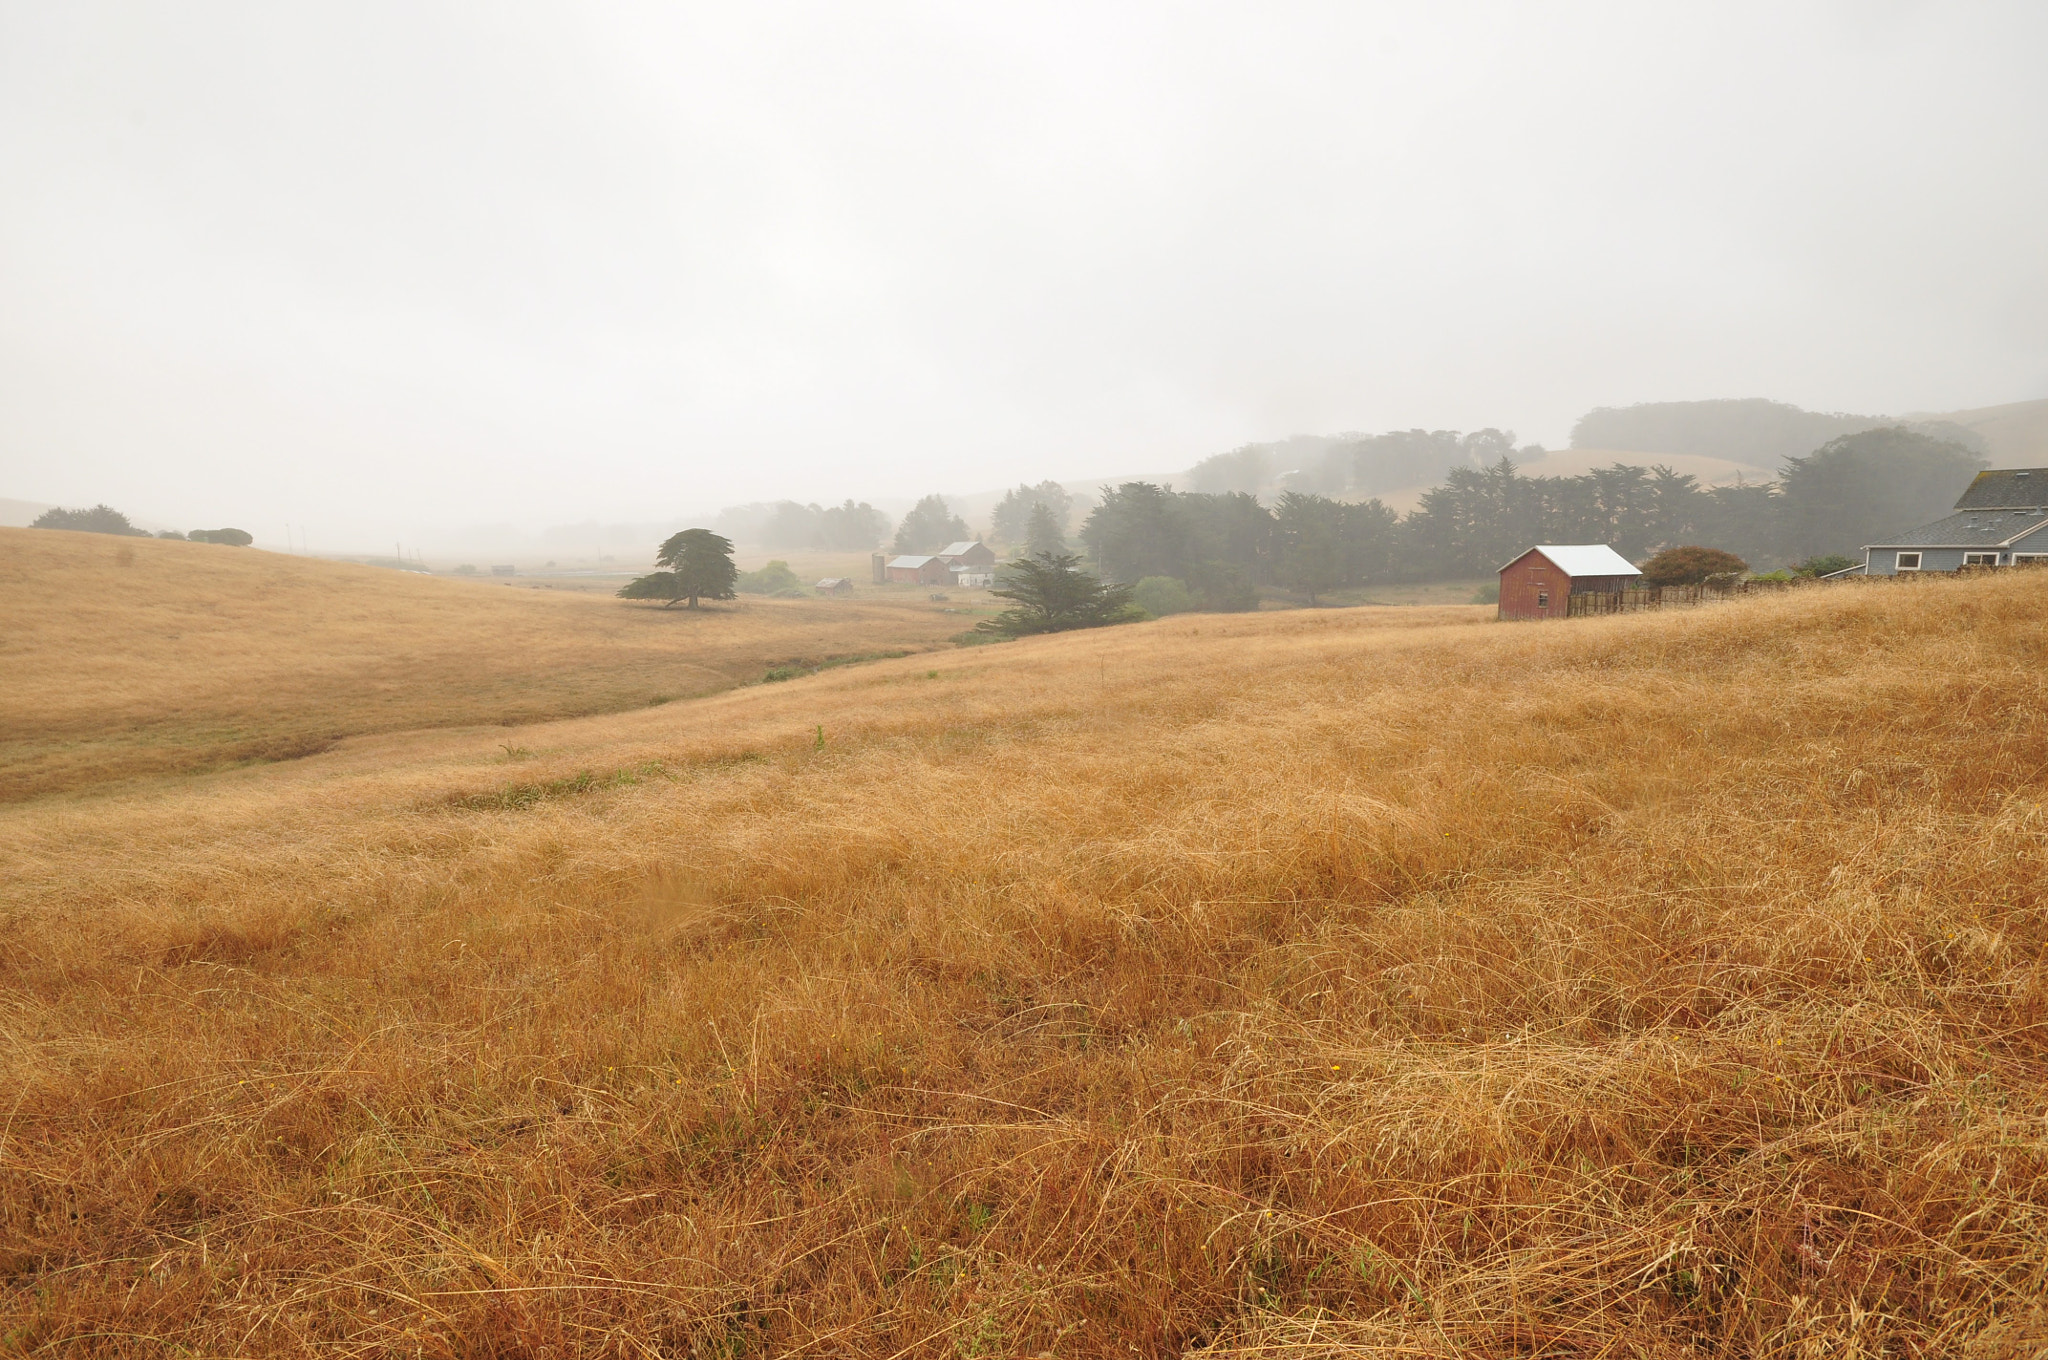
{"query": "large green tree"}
{"type": "Point", "coordinates": [1310, 533]}
{"type": "Point", "coordinates": [1870, 487]}
{"type": "Point", "coordinates": [699, 566]}
{"type": "Point", "coordinates": [1051, 594]}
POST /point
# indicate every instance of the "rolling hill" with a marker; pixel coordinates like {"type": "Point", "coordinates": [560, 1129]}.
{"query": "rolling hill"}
{"type": "Point", "coordinates": [1349, 982]}
{"type": "Point", "coordinates": [131, 656]}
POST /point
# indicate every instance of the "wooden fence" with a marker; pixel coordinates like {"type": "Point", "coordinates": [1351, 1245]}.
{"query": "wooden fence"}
{"type": "Point", "coordinates": [1669, 597]}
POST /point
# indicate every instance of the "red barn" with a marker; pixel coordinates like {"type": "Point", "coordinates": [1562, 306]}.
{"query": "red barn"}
{"type": "Point", "coordinates": [920, 569]}
{"type": "Point", "coordinates": [1539, 583]}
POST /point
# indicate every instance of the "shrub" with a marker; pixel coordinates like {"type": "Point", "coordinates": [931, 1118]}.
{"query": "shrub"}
{"type": "Point", "coordinates": [1162, 595]}
{"type": "Point", "coordinates": [1689, 566]}
{"type": "Point", "coordinates": [101, 519]}
{"type": "Point", "coordinates": [1824, 565]}
{"type": "Point", "coordinates": [233, 538]}
{"type": "Point", "coordinates": [1487, 594]}
{"type": "Point", "coordinates": [774, 579]}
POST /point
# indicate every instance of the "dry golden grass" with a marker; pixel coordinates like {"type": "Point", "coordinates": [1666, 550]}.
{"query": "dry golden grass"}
{"type": "Point", "coordinates": [1362, 983]}
{"type": "Point", "coordinates": [130, 657]}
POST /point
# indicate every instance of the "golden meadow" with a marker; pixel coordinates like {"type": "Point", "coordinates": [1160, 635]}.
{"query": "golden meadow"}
{"type": "Point", "coordinates": [1375, 982]}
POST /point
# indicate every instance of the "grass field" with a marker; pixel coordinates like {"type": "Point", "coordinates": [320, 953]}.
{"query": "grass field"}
{"type": "Point", "coordinates": [1348, 982]}
{"type": "Point", "coordinates": [135, 657]}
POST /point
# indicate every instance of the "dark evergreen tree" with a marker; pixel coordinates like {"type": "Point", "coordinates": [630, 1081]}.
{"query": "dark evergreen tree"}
{"type": "Point", "coordinates": [700, 566]}
{"type": "Point", "coordinates": [1310, 534]}
{"type": "Point", "coordinates": [1051, 594]}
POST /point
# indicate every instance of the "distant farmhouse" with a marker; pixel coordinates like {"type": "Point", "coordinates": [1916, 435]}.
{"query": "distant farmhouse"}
{"type": "Point", "coordinates": [1540, 583]}
{"type": "Point", "coordinates": [942, 568]}
{"type": "Point", "coordinates": [835, 585]}
{"type": "Point", "coordinates": [2001, 521]}
{"type": "Point", "coordinates": [973, 564]}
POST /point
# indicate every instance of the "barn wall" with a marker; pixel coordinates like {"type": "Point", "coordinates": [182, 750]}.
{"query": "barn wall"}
{"type": "Point", "coordinates": [1527, 580]}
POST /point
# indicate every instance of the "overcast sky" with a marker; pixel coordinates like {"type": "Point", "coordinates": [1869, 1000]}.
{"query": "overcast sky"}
{"type": "Point", "coordinates": [378, 266]}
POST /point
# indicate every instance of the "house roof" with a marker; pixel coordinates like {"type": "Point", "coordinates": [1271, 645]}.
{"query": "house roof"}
{"type": "Point", "coordinates": [1582, 559]}
{"type": "Point", "coordinates": [1971, 529]}
{"type": "Point", "coordinates": [2007, 489]}
{"type": "Point", "coordinates": [955, 549]}
{"type": "Point", "coordinates": [911, 563]}
{"type": "Point", "coordinates": [831, 581]}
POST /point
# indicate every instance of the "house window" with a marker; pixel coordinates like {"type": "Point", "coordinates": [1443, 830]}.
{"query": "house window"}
{"type": "Point", "coordinates": [2018, 558]}
{"type": "Point", "coordinates": [1989, 559]}
{"type": "Point", "coordinates": [1543, 599]}
{"type": "Point", "coordinates": [1909, 561]}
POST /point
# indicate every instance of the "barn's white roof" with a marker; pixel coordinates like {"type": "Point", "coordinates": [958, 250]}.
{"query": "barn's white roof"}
{"type": "Point", "coordinates": [914, 560]}
{"type": "Point", "coordinates": [1583, 559]}
{"type": "Point", "coordinates": [956, 549]}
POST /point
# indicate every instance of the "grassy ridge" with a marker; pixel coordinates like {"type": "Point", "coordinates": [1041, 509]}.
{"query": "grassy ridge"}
{"type": "Point", "coordinates": [135, 657]}
{"type": "Point", "coordinates": [1381, 984]}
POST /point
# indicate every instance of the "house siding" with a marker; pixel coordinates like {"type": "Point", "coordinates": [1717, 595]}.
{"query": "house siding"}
{"type": "Point", "coordinates": [1885, 561]}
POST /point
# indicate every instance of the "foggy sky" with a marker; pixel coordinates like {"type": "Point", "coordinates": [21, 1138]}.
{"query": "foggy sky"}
{"type": "Point", "coordinates": [371, 267]}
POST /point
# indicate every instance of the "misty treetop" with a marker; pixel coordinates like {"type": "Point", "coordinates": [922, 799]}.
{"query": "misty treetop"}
{"type": "Point", "coordinates": [1044, 532]}
{"type": "Point", "coordinates": [1337, 465]}
{"type": "Point", "coordinates": [1011, 522]}
{"type": "Point", "coordinates": [930, 526]}
{"type": "Point", "coordinates": [789, 526]}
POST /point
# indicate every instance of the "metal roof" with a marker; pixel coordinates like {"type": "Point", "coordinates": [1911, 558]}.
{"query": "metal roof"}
{"type": "Point", "coordinates": [908, 562]}
{"type": "Point", "coordinates": [955, 549]}
{"type": "Point", "coordinates": [1582, 559]}
{"type": "Point", "coordinates": [1971, 529]}
{"type": "Point", "coordinates": [2007, 489]}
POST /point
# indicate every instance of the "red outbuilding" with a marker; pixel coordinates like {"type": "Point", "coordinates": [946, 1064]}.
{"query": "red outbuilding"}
{"type": "Point", "coordinates": [1540, 583]}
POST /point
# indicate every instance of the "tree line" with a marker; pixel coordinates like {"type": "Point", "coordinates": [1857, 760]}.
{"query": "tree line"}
{"type": "Point", "coordinates": [1856, 489]}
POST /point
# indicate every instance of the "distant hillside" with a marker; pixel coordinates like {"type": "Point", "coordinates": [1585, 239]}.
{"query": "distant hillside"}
{"type": "Point", "coordinates": [2014, 435]}
{"type": "Point", "coordinates": [1751, 430]}
{"type": "Point", "coordinates": [20, 514]}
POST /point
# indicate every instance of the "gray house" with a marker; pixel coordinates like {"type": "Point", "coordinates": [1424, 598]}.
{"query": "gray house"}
{"type": "Point", "coordinates": [2000, 521]}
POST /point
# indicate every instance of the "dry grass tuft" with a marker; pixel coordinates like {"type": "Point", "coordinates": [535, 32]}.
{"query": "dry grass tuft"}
{"type": "Point", "coordinates": [1352, 983]}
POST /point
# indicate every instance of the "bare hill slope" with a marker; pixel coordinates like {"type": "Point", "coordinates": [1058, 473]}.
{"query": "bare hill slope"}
{"type": "Point", "coordinates": [131, 656]}
{"type": "Point", "coordinates": [2016, 432]}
